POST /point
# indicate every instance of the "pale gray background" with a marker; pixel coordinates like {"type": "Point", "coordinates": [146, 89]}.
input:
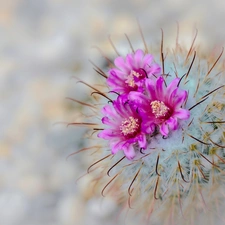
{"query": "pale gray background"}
{"type": "Point", "coordinates": [42, 44]}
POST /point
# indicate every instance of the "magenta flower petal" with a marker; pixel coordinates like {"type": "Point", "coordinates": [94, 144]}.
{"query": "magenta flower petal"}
{"type": "Point", "coordinates": [108, 122]}
{"type": "Point", "coordinates": [142, 141]}
{"type": "Point", "coordinates": [172, 122]}
{"type": "Point", "coordinates": [164, 130]}
{"type": "Point", "coordinates": [130, 62]}
{"type": "Point", "coordinates": [159, 87]}
{"type": "Point", "coordinates": [177, 97]}
{"type": "Point", "coordinates": [182, 114]}
{"type": "Point", "coordinates": [148, 127]}
{"type": "Point", "coordinates": [148, 59]}
{"type": "Point", "coordinates": [172, 86]}
{"type": "Point", "coordinates": [116, 145]}
{"type": "Point", "coordinates": [131, 71]}
{"type": "Point", "coordinates": [179, 101]}
{"type": "Point", "coordinates": [138, 98]}
{"type": "Point", "coordinates": [160, 105]}
{"type": "Point", "coordinates": [107, 111]}
{"type": "Point", "coordinates": [138, 56]}
{"type": "Point", "coordinates": [120, 63]}
{"type": "Point", "coordinates": [154, 69]}
{"type": "Point", "coordinates": [107, 134]}
{"type": "Point", "coordinates": [150, 86]}
{"type": "Point", "coordinates": [124, 127]}
{"type": "Point", "coordinates": [114, 77]}
{"type": "Point", "coordinates": [129, 152]}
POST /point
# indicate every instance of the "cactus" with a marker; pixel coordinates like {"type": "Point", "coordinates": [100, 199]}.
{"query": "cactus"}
{"type": "Point", "coordinates": [157, 134]}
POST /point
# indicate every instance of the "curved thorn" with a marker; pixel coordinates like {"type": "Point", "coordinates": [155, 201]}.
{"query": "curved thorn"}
{"type": "Point", "coordinates": [82, 124]}
{"type": "Point", "coordinates": [129, 43]}
{"type": "Point", "coordinates": [212, 92]}
{"type": "Point", "coordinates": [81, 150]}
{"type": "Point", "coordinates": [102, 192]}
{"type": "Point", "coordinates": [114, 92]}
{"type": "Point", "coordinates": [189, 69]}
{"type": "Point", "coordinates": [141, 151]}
{"type": "Point", "coordinates": [88, 170]}
{"type": "Point", "coordinates": [144, 72]}
{"type": "Point", "coordinates": [181, 79]}
{"type": "Point", "coordinates": [192, 44]}
{"type": "Point", "coordinates": [99, 93]}
{"type": "Point", "coordinates": [95, 89]}
{"type": "Point", "coordinates": [129, 199]}
{"type": "Point", "coordinates": [100, 73]}
{"type": "Point", "coordinates": [80, 102]}
{"type": "Point", "coordinates": [180, 168]}
{"type": "Point", "coordinates": [113, 46]}
{"type": "Point", "coordinates": [198, 140]}
{"type": "Point", "coordinates": [215, 122]}
{"type": "Point", "coordinates": [191, 122]}
{"type": "Point", "coordinates": [156, 166]}
{"type": "Point", "coordinates": [221, 146]}
{"type": "Point", "coordinates": [115, 165]}
{"type": "Point", "coordinates": [129, 192]}
{"type": "Point", "coordinates": [210, 70]}
{"type": "Point", "coordinates": [202, 173]}
{"type": "Point", "coordinates": [98, 70]}
{"type": "Point", "coordinates": [156, 186]}
{"type": "Point", "coordinates": [220, 158]}
{"type": "Point", "coordinates": [197, 104]}
{"type": "Point", "coordinates": [142, 37]}
{"type": "Point", "coordinates": [208, 160]}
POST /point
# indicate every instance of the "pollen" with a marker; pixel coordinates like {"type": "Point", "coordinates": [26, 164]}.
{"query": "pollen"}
{"type": "Point", "coordinates": [130, 81]}
{"type": "Point", "coordinates": [130, 78]}
{"type": "Point", "coordinates": [159, 109]}
{"type": "Point", "coordinates": [136, 74]}
{"type": "Point", "coordinates": [130, 126]}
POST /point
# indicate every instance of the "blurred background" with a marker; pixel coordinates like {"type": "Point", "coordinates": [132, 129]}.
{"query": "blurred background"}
{"type": "Point", "coordinates": [42, 44]}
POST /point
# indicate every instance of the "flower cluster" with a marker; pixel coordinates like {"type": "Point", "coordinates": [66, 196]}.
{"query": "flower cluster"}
{"type": "Point", "coordinates": [145, 104]}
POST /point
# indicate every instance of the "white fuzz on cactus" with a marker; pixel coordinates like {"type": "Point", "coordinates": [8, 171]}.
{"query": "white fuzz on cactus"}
{"type": "Point", "coordinates": [167, 172]}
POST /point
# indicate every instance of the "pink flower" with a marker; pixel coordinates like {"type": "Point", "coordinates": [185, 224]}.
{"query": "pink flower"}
{"type": "Point", "coordinates": [131, 72]}
{"type": "Point", "coordinates": [161, 105]}
{"type": "Point", "coordinates": [125, 128]}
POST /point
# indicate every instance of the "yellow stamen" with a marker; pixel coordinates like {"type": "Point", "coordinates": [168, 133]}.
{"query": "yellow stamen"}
{"type": "Point", "coordinates": [159, 109]}
{"type": "Point", "coordinates": [136, 74]}
{"type": "Point", "coordinates": [130, 78]}
{"type": "Point", "coordinates": [129, 126]}
{"type": "Point", "coordinates": [130, 81]}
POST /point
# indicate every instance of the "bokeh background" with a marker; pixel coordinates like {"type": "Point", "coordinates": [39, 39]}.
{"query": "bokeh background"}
{"type": "Point", "coordinates": [43, 43]}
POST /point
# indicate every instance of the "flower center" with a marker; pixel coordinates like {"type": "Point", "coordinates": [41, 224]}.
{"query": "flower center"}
{"type": "Point", "coordinates": [134, 76]}
{"type": "Point", "coordinates": [130, 127]}
{"type": "Point", "coordinates": [130, 81]}
{"type": "Point", "coordinates": [160, 110]}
